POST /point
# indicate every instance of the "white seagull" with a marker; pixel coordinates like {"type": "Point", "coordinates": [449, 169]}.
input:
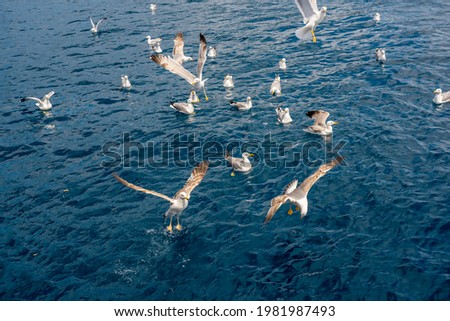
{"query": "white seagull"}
{"type": "Point", "coordinates": [43, 104]}
{"type": "Point", "coordinates": [299, 195]}
{"type": "Point", "coordinates": [185, 108]}
{"type": "Point", "coordinates": [320, 127]}
{"type": "Point", "coordinates": [311, 17]}
{"type": "Point", "coordinates": [153, 7]}
{"type": "Point", "coordinates": [283, 115]}
{"type": "Point", "coordinates": [94, 28]}
{"type": "Point", "coordinates": [178, 49]}
{"type": "Point", "coordinates": [440, 97]}
{"type": "Point", "coordinates": [212, 52]}
{"type": "Point", "coordinates": [282, 64]}
{"type": "Point", "coordinates": [155, 44]}
{"type": "Point", "coordinates": [377, 17]}
{"type": "Point", "coordinates": [242, 105]}
{"type": "Point", "coordinates": [194, 98]}
{"type": "Point", "coordinates": [125, 82]}
{"type": "Point", "coordinates": [239, 164]}
{"type": "Point", "coordinates": [181, 199]}
{"type": "Point", "coordinates": [275, 87]}
{"type": "Point", "coordinates": [174, 67]}
{"type": "Point", "coordinates": [380, 55]}
{"type": "Point", "coordinates": [228, 81]}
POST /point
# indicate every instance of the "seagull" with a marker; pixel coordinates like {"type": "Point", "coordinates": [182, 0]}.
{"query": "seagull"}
{"type": "Point", "coordinates": [283, 116]}
{"type": "Point", "coordinates": [94, 28]}
{"type": "Point", "coordinates": [178, 52]}
{"type": "Point", "coordinates": [43, 104]}
{"type": "Point", "coordinates": [242, 105]}
{"type": "Point", "coordinates": [380, 55]}
{"type": "Point", "coordinates": [194, 98]}
{"type": "Point", "coordinates": [212, 52]}
{"type": "Point", "coordinates": [377, 17]}
{"type": "Point", "coordinates": [125, 82]}
{"type": "Point", "coordinates": [282, 64]}
{"type": "Point", "coordinates": [153, 7]}
{"type": "Point", "coordinates": [185, 108]}
{"type": "Point", "coordinates": [320, 127]}
{"type": "Point", "coordinates": [228, 81]}
{"type": "Point", "coordinates": [174, 67]}
{"type": "Point", "coordinates": [239, 164]}
{"type": "Point", "coordinates": [275, 87]}
{"type": "Point", "coordinates": [311, 17]}
{"type": "Point", "coordinates": [155, 44]}
{"type": "Point", "coordinates": [180, 201]}
{"type": "Point", "coordinates": [440, 97]}
{"type": "Point", "coordinates": [299, 195]}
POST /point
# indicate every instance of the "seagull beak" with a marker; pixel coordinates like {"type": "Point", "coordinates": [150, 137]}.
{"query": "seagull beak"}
{"type": "Point", "coordinates": [251, 155]}
{"type": "Point", "coordinates": [435, 92]}
{"type": "Point", "coordinates": [186, 198]}
{"type": "Point", "coordinates": [335, 123]}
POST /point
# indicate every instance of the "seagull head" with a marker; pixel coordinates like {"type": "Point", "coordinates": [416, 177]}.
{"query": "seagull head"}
{"type": "Point", "coordinates": [184, 196]}
{"type": "Point", "coordinates": [50, 94]}
{"type": "Point", "coordinates": [323, 9]}
{"type": "Point", "coordinates": [249, 99]}
{"type": "Point", "coordinates": [283, 59]}
{"type": "Point", "coordinates": [331, 123]}
{"type": "Point", "coordinates": [437, 91]}
{"type": "Point", "coordinates": [247, 155]}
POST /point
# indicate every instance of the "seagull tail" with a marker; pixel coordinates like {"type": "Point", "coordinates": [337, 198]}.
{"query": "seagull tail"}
{"type": "Point", "coordinates": [304, 33]}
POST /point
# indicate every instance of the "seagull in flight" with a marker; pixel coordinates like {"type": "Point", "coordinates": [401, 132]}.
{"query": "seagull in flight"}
{"type": "Point", "coordinates": [321, 126]}
{"type": "Point", "coordinates": [312, 16]}
{"type": "Point", "coordinates": [44, 103]}
{"type": "Point", "coordinates": [181, 199]}
{"type": "Point", "coordinates": [298, 195]}
{"type": "Point", "coordinates": [178, 49]}
{"type": "Point", "coordinates": [94, 28]}
{"type": "Point", "coordinates": [174, 67]}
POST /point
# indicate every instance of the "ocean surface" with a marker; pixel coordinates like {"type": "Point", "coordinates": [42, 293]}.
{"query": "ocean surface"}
{"type": "Point", "coordinates": [378, 227]}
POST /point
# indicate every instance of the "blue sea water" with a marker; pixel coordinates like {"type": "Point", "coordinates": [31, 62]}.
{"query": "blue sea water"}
{"type": "Point", "coordinates": [377, 228]}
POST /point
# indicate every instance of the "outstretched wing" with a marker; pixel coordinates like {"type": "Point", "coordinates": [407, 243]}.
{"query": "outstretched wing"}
{"type": "Point", "coordinates": [92, 22]}
{"type": "Point", "coordinates": [140, 189]}
{"type": "Point", "coordinates": [98, 23]}
{"type": "Point", "coordinates": [201, 56]}
{"type": "Point", "coordinates": [275, 204]}
{"type": "Point", "coordinates": [174, 67]}
{"type": "Point", "coordinates": [31, 98]}
{"type": "Point", "coordinates": [178, 48]}
{"type": "Point", "coordinates": [319, 116]}
{"type": "Point", "coordinates": [49, 95]}
{"type": "Point", "coordinates": [196, 177]}
{"type": "Point", "coordinates": [307, 8]}
{"type": "Point", "coordinates": [290, 187]}
{"type": "Point", "coordinates": [309, 182]}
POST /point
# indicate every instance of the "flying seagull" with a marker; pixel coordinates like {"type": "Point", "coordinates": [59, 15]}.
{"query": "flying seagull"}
{"type": "Point", "coordinates": [174, 67]}
{"type": "Point", "coordinates": [185, 108]}
{"type": "Point", "coordinates": [275, 87]}
{"type": "Point", "coordinates": [239, 164]}
{"type": "Point", "coordinates": [311, 17]}
{"type": "Point", "coordinates": [178, 49]}
{"type": "Point", "coordinates": [44, 103]}
{"type": "Point", "coordinates": [94, 28]}
{"type": "Point", "coordinates": [320, 127]}
{"type": "Point", "coordinates": [180, 201]}
{"type": "Point", "coordinates": [299, 195]}
{"type": "Point", "coordinates": [242, 105]}
{"type": "Point", "coordinates": [283, 115]}
{"type": "Point", "coordinates": [440, 97]}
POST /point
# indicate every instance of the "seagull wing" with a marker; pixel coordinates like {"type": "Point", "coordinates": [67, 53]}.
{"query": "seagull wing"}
{"type": "Point", "coordinates": [178, 48]}
{"type": "Point", "coordinates": [290, 187]}
{"type": "Point", "coordinates": [446, 96]}
{"type": "Point", "coordinates": [307, 8]}
{"type": "Point", "coordinates": [92, 22]}
{"type": "Point", "coordinates": [325, 168]}
{"type": "Point", "coordinates": [196, 177]}
{"type": "Point", "coordinates": [275, 204]}
{"type": "Point", "coordinates": [98, 23]}
{"type": "Point", "coordinates": [201, 56]}
{"type": "Point", "coordinates": [319, 116]}
{"type": "Point", "coordinates": [140, 189]}
{"type": "Point", "coordinates": [31, 98]}
{"type": "Point", "coordinates": [174, 67]}
{"type": "Point", "coordinates": [49, 95]}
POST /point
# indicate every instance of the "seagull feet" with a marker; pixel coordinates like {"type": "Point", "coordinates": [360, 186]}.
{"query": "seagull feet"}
{"type": "Point", "coordinates": [233, 174]}
{"type": "Point", "coordinates": [290, 211]}
{"type": "Point", "coordinates": [178, 227]}
{"type": "Point", "coordinates": [314, 36]}
{"type": "Point", "coordinates": [297, 209]}
{"type": "Point", "coordinates": [169, 228]}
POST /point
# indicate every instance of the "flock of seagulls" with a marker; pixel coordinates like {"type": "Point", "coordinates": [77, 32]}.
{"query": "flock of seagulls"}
{"type": "Point", "coordinates": [293, 193]}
